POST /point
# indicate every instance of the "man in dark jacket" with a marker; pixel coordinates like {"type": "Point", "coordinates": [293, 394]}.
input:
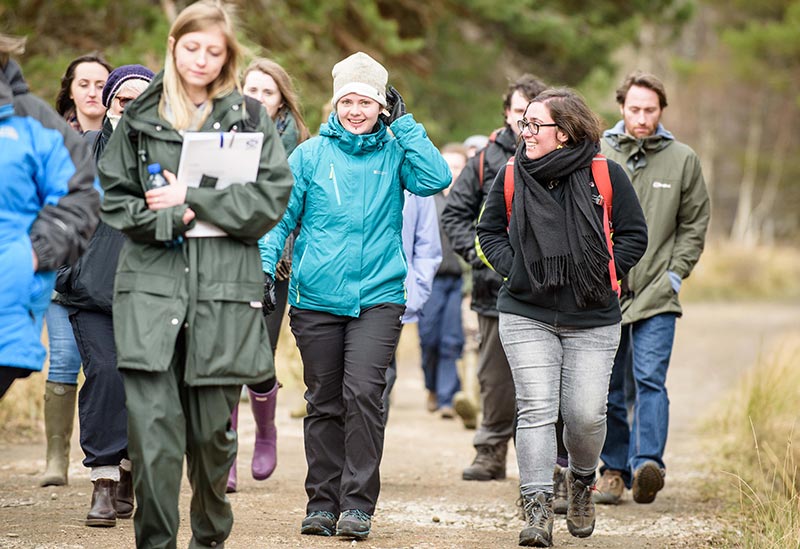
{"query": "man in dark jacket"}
{"type": "Point", "coordinates": [458, 220]}
{"type": "Point", "coordinates": [48, 211]}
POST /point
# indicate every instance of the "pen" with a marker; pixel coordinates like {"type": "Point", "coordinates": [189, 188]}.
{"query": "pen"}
{"type": "Point", "coordinates": [221, 139]}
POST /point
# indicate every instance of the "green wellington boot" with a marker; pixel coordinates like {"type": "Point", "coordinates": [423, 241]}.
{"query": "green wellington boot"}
{"type": "Point", "coordinates": [59, 415]}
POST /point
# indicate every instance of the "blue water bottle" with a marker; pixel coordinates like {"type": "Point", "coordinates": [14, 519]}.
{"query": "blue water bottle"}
{"type": "Point", "coordinates": [156, 179]}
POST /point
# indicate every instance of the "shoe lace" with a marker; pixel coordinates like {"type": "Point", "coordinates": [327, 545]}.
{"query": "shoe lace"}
{"type": "Point", "coordinates": [357, 513]}
{"type": "Point", "coordinates": [581, 497]}
{"type": "Point", "coordinates": [324, 514]}
{"type": "Point", "coordinates": [537, 511]}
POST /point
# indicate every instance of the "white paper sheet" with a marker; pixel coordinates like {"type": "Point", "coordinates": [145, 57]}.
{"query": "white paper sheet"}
{"type": "Point", "coordinates": [231, 157]}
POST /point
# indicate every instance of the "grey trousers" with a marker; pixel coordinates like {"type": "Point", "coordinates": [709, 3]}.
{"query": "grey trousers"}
{"type": "Point", "coordinates": [344, 368]}
{"type": "Point", "coordinates": [497, 387]}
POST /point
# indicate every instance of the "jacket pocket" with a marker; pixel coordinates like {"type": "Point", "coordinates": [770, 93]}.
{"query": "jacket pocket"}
{"type": "Point", "coordinates": [147, 319]}
{"type": "Point", "coordinates": [238, 349]}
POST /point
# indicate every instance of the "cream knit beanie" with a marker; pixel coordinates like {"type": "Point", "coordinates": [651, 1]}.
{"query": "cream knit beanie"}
{"type": "Point", "coordinates": [359, 74]}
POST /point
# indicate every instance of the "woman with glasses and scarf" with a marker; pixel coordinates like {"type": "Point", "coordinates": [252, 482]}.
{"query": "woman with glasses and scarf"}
{"type": "Point", "coordinates": [559, 316]}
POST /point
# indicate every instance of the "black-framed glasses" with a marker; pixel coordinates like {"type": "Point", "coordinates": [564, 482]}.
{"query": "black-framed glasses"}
{"type": "Point", "coordinates": [533, 127]}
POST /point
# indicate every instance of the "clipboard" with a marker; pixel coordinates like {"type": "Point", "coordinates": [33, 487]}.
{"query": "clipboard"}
{"type": "Point", "coordinates": [218, 160]}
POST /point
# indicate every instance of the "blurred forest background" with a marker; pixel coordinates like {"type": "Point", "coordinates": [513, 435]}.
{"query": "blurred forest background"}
{"type": "Point", "coordinates": [732, 69]}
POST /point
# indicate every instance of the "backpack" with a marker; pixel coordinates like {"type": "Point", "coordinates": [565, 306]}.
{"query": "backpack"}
{"type": "Point", "coordinates": [602, 180]}
{"type": "Point", "coordinates": [482, 156]}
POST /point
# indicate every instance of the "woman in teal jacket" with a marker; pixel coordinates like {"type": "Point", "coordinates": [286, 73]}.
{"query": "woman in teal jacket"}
{"type": "Point", "coordinates": [347, 290]}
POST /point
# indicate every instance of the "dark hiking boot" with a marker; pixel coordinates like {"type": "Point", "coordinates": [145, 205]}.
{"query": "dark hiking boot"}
{"type": "Point", "coordinates": [124, 500]}
{"type": "Point", "coordinates": [354, 523]}
{"type": "Point", "coordinates": [560, 490]}
{"type": "Point", "coordinates": [580, 507]}
{"type": "Point", "coordinates": [539, 515]}
{"type": "Point", "coordinates": [489, 463]}
{"type": "Point", "coordinates": [319, 523]}
{"type": "Point", "coordinates": [648, 480]}
{"type": "Point", "coordinates": [103, 511]}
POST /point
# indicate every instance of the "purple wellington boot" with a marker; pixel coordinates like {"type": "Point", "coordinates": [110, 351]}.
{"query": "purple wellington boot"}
{"type": "Point", "coordinates": [264, 456]}
{"type": "Point", "coordinates": [231, 487]}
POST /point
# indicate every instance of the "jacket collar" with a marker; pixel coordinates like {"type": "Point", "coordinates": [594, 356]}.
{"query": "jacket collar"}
{"type": "Point", "coordinates": [507, 140]}
{"type": "Point", "coordinates": [142, 113]}
{"type": "Point", "coordinates": [636, 150]}
{"type": "Point", "coordinates": [351, 143]}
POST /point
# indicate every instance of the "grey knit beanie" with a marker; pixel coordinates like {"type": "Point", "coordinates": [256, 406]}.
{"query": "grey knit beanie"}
{"type": "Point", "coordinates": [359, 74]}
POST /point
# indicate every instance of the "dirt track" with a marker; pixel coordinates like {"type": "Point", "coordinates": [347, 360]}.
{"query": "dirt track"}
{"type": "Point", "coordinates": [424, 503]}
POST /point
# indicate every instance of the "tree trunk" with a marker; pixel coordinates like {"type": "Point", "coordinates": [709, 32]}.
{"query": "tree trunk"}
{"type": "Point", "coordinates": [742, 231]}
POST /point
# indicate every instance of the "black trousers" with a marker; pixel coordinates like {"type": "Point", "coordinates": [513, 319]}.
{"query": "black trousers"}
{"type": "Point", "coordinates": [344, 368]}
{"type": "Point", "coordinates": [8, 374]}
{"type": "Point", "coordinates": [275, 320]}
{"type": "Point", "coordinates": [101, 401]}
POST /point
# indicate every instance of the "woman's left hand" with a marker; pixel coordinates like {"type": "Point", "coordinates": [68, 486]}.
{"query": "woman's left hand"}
{"type": "Point", "coordinates": [166, 197]}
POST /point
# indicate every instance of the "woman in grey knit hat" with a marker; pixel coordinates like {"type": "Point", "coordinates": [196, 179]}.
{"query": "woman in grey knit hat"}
{"type": "Point", "coordinates": [346, 290]}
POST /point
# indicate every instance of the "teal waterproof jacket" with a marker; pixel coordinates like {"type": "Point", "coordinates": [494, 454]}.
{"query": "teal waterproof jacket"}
{"type": "Point", "coordinates": [348, 196]}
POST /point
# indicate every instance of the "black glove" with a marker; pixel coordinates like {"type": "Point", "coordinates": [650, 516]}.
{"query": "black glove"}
{"type": "Point", "coordinates": [283, 270]}
{"type": "Point", "coordinates": [394, 104]}
{"type": "Point", "coordinates": [270, 301]}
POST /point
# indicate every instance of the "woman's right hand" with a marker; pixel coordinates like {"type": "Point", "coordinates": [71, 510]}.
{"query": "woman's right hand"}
{"type": "Point", "coordinates": [171, 195]}
{"type": "Point", "coordinates": [188, 216]}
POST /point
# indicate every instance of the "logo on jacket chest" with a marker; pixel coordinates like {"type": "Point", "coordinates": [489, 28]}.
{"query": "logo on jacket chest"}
{"type": "Point", "coordinates": [8, 132]}
{"type": "Point", "coordinates": [660, 185]}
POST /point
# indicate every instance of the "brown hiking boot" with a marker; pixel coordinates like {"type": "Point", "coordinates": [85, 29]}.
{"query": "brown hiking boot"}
{"type": "Point", "coordinates": [560, 490]}
{"type": "Point", "coordinates": [489, 463]}
{"type": "Point", "coordinates": [580, 510]}
{"type": "Point", "coordinates": [648, 480]}
{"type": "Point", "coordinates": [539, 515]}
{"type": "Point", "coordinates": [610, 488]}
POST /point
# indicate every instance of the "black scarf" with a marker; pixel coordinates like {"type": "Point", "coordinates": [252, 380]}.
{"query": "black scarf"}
{"type": "Point", "coordinates": [561, 246]}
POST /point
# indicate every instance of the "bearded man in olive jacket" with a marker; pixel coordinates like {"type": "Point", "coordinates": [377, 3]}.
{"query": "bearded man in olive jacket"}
{"type": "Point", "coordinates": [667, 177]}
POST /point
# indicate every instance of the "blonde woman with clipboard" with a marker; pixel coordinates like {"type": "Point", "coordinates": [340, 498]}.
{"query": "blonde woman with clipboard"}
{"type": "Point", "coordinates": [187, 311]}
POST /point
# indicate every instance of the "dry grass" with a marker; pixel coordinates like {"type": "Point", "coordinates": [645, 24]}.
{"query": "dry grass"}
{"type": "Point", "coordinates": [727, 271]}
{"type": "Point", "coordinates": [757, 437]}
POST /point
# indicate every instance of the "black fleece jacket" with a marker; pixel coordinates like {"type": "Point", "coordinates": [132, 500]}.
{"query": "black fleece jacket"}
{"type": "Point", "coordinates": [463, 208]}
{"type": "Point", "coordinates": [499, 242]}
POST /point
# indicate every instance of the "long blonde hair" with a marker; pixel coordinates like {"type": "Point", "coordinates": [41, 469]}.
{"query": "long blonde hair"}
{"type": "Point", "coordinates": [285, 87]}
{"type": "Point", "coordinates": [198, 17]}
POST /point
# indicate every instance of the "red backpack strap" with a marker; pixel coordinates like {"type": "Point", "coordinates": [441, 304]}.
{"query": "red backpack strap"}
{"type": "Point", "coordinates": [508, 187]}
{"type": "Point", "coordinates": [603, 181]}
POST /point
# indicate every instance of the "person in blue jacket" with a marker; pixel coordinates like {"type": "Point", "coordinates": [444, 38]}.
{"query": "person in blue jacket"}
{"type": "Point", "coordinates": [48, 211]}
{"type": "Point", "coordinates": [347, 290]}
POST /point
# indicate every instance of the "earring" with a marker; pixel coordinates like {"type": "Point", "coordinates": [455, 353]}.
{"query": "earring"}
{"type": "Point", "coordinates": [560, 146]}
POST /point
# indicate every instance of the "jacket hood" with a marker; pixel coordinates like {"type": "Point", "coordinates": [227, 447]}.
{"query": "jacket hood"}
{"type": "Point", "coordinates": [11, 84]}
{"type": "Point", "coordinates": [636, 150]}
{"type": "Point", "coordinates": [352, 143]}
{"type": "Point", "coordinates": [144, 109]}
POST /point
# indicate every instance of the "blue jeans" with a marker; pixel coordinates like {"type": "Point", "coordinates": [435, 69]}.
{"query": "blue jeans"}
{"type": "Point", "coordinates": [65, 359]}
{"type": "Point", "coordinates": [558, 367]}
{"type": "Point", "coordinates": [646, 347]}
{"type": "Point", "coordinates": [441, 338]}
